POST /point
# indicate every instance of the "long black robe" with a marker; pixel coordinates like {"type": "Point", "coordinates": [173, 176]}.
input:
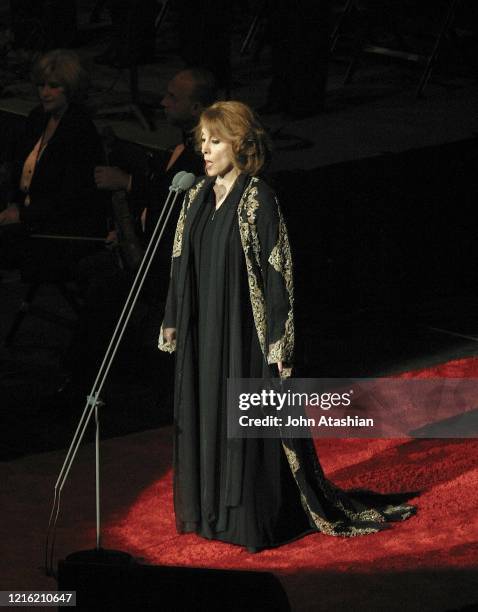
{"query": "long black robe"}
{"type": "Point", "coordinates": [230, 300]}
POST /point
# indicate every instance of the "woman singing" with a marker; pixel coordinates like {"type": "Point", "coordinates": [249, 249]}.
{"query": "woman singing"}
{"type": "Point", "coordinates": [229, 314]}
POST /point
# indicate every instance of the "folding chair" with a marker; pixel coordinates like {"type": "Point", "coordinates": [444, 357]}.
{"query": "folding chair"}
{"type": "Point", "coordinates": [363, 45]}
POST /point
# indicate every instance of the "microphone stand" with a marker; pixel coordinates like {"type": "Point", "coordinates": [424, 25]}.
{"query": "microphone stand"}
{"type": "Point", "coordinates": [181, 182]}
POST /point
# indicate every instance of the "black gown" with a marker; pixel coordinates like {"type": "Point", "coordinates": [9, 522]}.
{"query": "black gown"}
{"type": "Point", "coordinates": [243, 491]}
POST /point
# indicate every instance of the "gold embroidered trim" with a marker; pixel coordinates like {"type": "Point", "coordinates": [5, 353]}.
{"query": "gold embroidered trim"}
{"type": "Point", "coordinates": [178, 236]}
{"type": "Point", "coordinates": [291, 458]}
{"type": "Point", "coordinates": [404, 510]}
{"type": "Point", "coordinates": [280, 257]}
{"type": "Point", "coordinates": [322, 524]}
{"type": "Point", "coordinates": [333, 494]}
{"type": "Point", "coordinates": [250, 242]}
{"type": "Point", "coordinates": [334, 528]}
{"type": "Point", "coordinates": [281, 260]}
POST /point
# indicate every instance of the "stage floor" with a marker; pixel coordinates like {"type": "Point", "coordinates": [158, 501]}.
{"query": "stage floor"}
{"type": "Point", "coordinates": [426, 564]}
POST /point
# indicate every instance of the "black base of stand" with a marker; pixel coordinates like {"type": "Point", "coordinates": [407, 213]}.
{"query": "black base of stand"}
{"type": "Point", "coordinates": [112, 580]}
{"type": "Point", "coordinates": [100, 555]}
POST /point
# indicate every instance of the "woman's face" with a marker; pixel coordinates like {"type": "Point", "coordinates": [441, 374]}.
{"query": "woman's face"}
{"type": "Point", "coordinates": [52, 96]}
{"type": "Point", "coordinates": [218, 154]}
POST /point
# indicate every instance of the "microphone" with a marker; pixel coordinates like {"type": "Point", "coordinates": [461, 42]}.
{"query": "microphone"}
{"type": "Point", "coordinates": [175, 182]}
{"type": "Point", "coordinates": [186, 181]}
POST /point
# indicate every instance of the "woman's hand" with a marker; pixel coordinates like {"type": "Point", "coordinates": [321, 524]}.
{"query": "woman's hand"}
{"type": "Point", "coordinates": [10, 215]}
{"type": "Point", "coordinates": [169, 335]}
{"type": "Point", "coordinates": [284, 369]}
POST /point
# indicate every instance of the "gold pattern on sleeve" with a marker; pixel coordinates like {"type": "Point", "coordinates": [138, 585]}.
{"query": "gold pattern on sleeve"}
{"type": "Point", "coordinates": [178, 236]}
{"type": "Point", "coordinates": [281, 260]}
{"type": "Point", "coordinates": [247, 211]}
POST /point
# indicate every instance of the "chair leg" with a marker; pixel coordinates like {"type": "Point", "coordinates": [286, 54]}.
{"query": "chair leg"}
{"type": "Point", "coordinates": [161, 15]}
{"type": "Point", "coordinates": [447, 24]}
{"type": "Point", "coordinates": [336, 32]}
{"type": "Point", "coordinates": [355, 61]}
{"type": "Point", "coordinates": [249, 36]}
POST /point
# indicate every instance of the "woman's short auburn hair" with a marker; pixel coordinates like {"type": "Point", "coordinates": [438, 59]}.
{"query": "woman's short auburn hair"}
{"type": "Point", "coordinates": [64, 67]}
{"type": "Point", "coordinates": [236, 123]}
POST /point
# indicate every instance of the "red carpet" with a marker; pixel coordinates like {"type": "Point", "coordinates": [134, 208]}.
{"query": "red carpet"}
{"type": "Point", "coordinates": [428, 563]}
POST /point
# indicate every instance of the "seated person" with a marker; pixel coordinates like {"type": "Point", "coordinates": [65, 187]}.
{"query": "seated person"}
{"type": "Point", "coordinates": [52, 187]}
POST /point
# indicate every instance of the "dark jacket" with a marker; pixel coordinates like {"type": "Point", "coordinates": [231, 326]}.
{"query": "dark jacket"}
{"type": "Point", "coordinates": [63, 195]}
